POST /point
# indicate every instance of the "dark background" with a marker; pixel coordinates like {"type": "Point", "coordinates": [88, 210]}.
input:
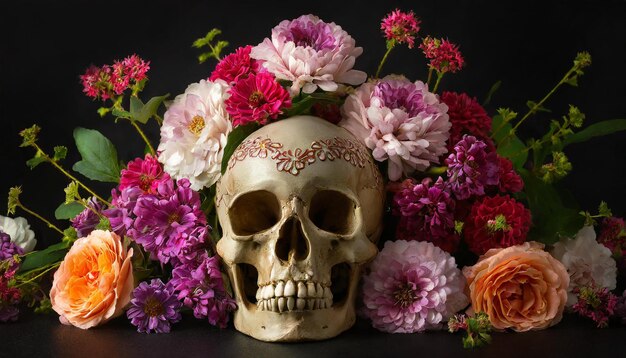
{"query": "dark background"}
{"type": "Point", "coordinates": [46, 45]}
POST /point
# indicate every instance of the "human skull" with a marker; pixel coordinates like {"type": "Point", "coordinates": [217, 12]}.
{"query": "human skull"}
{"type": "Point", "coordinates": [300, 205]}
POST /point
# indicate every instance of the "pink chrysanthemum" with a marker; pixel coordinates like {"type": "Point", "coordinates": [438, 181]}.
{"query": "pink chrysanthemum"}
{"type": "Point", "coordinates": [400, 121]}
{"type": "Point", "coordinates": [400, 27]}
{"type": "Point", "coordinates": [310, 53]}
{"type": "Point", "coordinates": [444, 56]}
{"type": "Point", "coordinates": [496, 222]}
{"type": "Point", "coordinates": [256, 98]}
{"type": "Point", "coordinates": [412, 286]}
{"type": "Point", "coordinates": [236, 66]}
{"type": "Point", "coordinates": [145, 173]}
{"type": "Point", "coordinates": [427, 213]}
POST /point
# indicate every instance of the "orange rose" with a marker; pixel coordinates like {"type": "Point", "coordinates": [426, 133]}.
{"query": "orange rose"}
{"type": "Point", "coordinates": [520, 287]}
{"type": "Point", "coordinates": [94, 281]}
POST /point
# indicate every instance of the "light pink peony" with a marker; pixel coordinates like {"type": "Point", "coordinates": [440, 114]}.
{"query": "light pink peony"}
{"type": "Point", "coordinates": [399, 121]}
{"type": "Point", "coordinates": [412, 286]}
{"type": "Point", "coordinates": [310, 53]}
{"type": "Point", "coordinates": [194, 134]}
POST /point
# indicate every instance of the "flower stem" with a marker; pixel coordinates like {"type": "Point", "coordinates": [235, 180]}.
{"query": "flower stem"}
{"type": "Point", "coordinates": [52, 267]}
{"type": "Point", "coordinates": [534, 108]}
{"type": "Point", "coordinates": [50, 225]}
{"type": "Point", "coordinates": [62, 170]}
{"type": "Point", "coordinates": [430, 76]}
{"type": "Point", "coordinates": [158, 119]}
{"type": "Point", "coordinates": [439, 77]}
{"type": "Point", "coordinates": [384, 59]}
{"type": "Point", "coordinates": [143, 136]}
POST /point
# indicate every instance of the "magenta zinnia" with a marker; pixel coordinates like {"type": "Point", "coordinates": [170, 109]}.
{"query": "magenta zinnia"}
{"type": "Point", "coordinates": [412, 286]}
{"type": "Point", "coordinates": [400, 27]}
{"type": "Point", "coordinates": [154, 307]}
{"type": "Point", "coordinates": [236, 66]}
{"type": "Point", "coordinates": [256, 98]}
{"type": "Point", "coordinates": [145, 173]}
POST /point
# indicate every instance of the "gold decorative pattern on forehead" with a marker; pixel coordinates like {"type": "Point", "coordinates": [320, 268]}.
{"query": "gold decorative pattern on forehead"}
{"type": "Point", "coordinates": [292, 161]}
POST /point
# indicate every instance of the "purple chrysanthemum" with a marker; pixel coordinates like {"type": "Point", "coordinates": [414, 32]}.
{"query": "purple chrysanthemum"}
{"type": "Point", "coordinates": [428, 213]}
{"type": "Point", "coordinates": [471, 167]}
{"type": "Point", "coordinates": [154, 307]}
{"type": "Point", "coordinates": [88, 219]}
{"type": "Point", "coordinates": [201, 288]}
{"type": "Point", "coordinates": [120, 215]}
{"type": "Point", "coordinates": [412, 286]}
{"type": "Point", "coordinates": [188, 247]}
{"type": "Point", "coordinates": [163, 217]}
{"type": "Point", "coordinates": [7, 248]}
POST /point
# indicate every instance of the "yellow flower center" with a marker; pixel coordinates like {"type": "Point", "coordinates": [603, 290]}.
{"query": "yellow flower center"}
{"type": "Point", "coordinates": [404, 296]}
{"type": "Point", "coordinates": [255, 98]}
{"type": "Point", "coordinates": [153, 307]}
{"type": "Point", "coordinates": [197, 125]}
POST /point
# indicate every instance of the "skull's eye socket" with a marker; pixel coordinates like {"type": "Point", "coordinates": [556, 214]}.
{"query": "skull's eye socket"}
{"type": "Point", "coordinates": [254, 212]}
{"type": "Point", "coordinates": [333, 211]}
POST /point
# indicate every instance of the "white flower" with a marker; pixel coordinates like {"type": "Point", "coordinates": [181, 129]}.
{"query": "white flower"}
{"type": "Point", "coordinates": [194, 133]}
{"type": "Point", "coordinates": [310, 53]}
{"type": "Point", "coordinates": [587, 262]}
{"type": "Point", "coordinates": [20, 232]}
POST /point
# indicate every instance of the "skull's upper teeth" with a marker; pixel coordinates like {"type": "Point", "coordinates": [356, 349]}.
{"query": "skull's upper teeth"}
{"type": "Point", "coordinates": [293, 296]}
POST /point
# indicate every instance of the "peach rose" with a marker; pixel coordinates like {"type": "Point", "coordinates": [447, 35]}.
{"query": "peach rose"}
{"type": "Point", "coordinates": [520, 287]}
{"type": "Point", "coordinates": [94, 281]}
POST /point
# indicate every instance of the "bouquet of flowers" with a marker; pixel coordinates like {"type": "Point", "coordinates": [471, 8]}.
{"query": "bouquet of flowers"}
{"type": "Point", "coordinates": [477, 236]}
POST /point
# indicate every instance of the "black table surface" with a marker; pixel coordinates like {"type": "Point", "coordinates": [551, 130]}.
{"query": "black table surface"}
{"type": "Point", "coordinates": [43, 336]}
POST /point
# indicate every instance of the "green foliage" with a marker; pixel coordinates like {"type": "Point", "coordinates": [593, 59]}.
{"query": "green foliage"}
{"type": "Point", "coordinates": [603, 212]}
{"type": "Point", "coordinates": [509, 145]}
{"type": "Point", "coordinates": [596, 130]}
{"type": "Point", "coordinates": [60, 152]}
{"type": "Point", "coordinates": [303, 103]}
{"type": "Point", "coordinates": [557, 169]}
{"type": "Point", "coordinates": [69, 236]}
{"type": "Point", "coordinates": [37, 259]}
{"type": "Point", "coordinates": [234, 139]}
{"type": "Point", "coordinates": [14, 199]}
{"type": "Point", "coordinates": [29, 136]}
{"type": "Point", "coordinates": [141, 112]}
{"type": "Point", "coordinates": [71, 192]}
{"type": "Point", "coordinates": [39, 158]}
{"type": "Point", "coordinates": [208, 41]}
{"type": "Point", "coordinates": [494, 88]}
{"type": "Point", "coordinates": [44, 307]}
{"type": "Point", "coordinates": [99, 157]}
{"type": "Point", "coordinates": [536, 107]}
{"type": "Point", "coordinates": [68, 211]}
{"type": "Point", "coordinates": [104, 224]}
{"type": "Point", "coordinates": [552, 214]}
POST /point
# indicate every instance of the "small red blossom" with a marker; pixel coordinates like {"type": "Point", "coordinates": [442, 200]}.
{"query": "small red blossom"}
{"type": "Point", "coordinates": [496, 222]}
{"type": "Point", "coordinates": [510, 181]}
{"type": "Point", "coordinates": [613, 236]}
{"type": "Point", "coordinates": [597, 303]}
{"type": "Point", "coordinates": [238, 65]}
{"type": "Point", "coordinates": [401, 27]}
{"type": "Point", "coordinates": [111, 80]}
{"type": "Point", "coordinates": [467, 116]}
{"type": "Point", "coordinates": [145, 174]}
{"type": "Point", "coordinates": [444, 56]}
{"type": "Point", "coordinates": [256, 98]}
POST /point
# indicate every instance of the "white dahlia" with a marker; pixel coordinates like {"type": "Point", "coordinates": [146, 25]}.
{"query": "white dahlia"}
{"type": "Point", "coordinates": [194, 133]}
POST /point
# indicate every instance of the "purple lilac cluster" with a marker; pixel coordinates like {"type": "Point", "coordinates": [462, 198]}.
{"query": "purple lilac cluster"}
{"type": "Point", "coordinates": [471, 168]}
{"type": "Point", "coordinates": [201, 288]}
{"type": "Point", "coordinates": [9, 295]}
{"type": "Point", "coordinates": [88, 219]}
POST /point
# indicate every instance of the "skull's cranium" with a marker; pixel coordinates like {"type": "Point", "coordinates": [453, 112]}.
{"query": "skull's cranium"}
{"type": "Point", "coordinates": [300, 206]}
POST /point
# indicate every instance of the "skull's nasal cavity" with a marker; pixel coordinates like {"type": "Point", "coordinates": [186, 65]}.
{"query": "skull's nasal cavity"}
{"type": "Point", "coordinates": [292, 244]}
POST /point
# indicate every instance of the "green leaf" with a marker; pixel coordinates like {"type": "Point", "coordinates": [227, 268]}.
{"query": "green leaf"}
{"type": "Point", "coordinates": [596, 130]}
{"type": "Point", "coordinates": [551, 218]}
{"type": "Point", "coordinates": [99, 157]}
{"type": "Point", "coordinates": [68, 211]}
{"type": "Point", "coordinates": [119, 113]}
{"type": "Point", "coordinates": [509, 146]}
{"type": "Point", "coordinates": [234, 139]}
{"type": "Point", "coordinates": [60, 152]}
{"type": "Point", "coordinates": [535, 107]}
{"type": "Point", "coordinates": [54, 253]}
{"type": "Point", "coordinates": [143, 112]}
{"type": "Point", "coordinates": [36, 160]}
{"type": "Point", "coordinates": [494, 88]}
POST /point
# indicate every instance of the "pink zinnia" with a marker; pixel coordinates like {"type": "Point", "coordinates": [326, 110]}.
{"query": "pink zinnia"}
{"type": "Point", "coordinates": [400, 27]}
{"type": "Point", "coordinates": [444, 56]}
{"type": "Point", "coordinates": [256, 98]}
{"type": "Point", "coordinates": [412, 286]}
{"type": "Point", "coordinates": [236, 66]}
{"type": "Point", "coordinates": [145, 174]}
